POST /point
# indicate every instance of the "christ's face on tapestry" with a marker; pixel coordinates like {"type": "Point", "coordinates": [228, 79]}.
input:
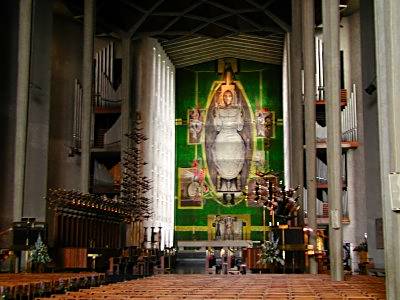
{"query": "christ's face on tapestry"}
{"type": "Point", "coordinates": [228, 98]}
{"type": "Point", "coordinates": [195, 114]}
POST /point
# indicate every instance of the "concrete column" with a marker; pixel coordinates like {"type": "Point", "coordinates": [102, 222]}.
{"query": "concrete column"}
{"type": "Point", "coordinates": [87, 74]}
{"type": "Point", "coordinates": [37, 140]}
{"type": "Point", "coordinates": [309, 117]}
{"type": "Point", "coordinates": [286, 112]}
{"type": "Point", "coordinates": [330, 13]}
{"type": "Point", "coordinates": [296, 105]}
{"type": "Point", "coordinates": [387, 40]}
{"type": "Point", "coordinates": [24, 48]}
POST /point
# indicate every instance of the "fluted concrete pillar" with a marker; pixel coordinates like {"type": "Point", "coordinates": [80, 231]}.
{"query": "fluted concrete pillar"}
{"type": "Point", "coordinates": [87, 74]}
{"type": "Point", "coordinates": [24, 48]}
{"type": "Point", "coordinates": [330, 14]}
{"type": "Point", "coordinates": [296, 103]}
{"type": "Point", "coordinates": [309, 118]}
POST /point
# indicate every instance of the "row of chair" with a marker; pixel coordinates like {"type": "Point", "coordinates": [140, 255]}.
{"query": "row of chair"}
{"type": "Point", "coordinates": [13, 286]}
{"type": "Point", "coordinates": [263, 286]}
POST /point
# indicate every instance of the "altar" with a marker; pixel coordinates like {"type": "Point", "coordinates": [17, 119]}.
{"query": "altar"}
{"type": "Point", "coordinates": [204, 245]}
{"type": "Point", "coordinates": [236, 253]}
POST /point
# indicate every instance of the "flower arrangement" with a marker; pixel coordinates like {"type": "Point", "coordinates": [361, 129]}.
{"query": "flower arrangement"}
{"type": "Point", "coordinates": [39, 253]}
{"type": "Point", "coordinates": [270, 253]}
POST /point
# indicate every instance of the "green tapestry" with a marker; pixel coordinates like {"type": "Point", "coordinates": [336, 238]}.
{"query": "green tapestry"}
{"type": "Point", "coordinates": [228, 126]}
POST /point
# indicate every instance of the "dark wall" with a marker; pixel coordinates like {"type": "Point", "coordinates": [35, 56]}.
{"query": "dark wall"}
{"type": "Point", "coordinates": [63, 170]}
{"type": "Point", "coordinates": [8, 81]}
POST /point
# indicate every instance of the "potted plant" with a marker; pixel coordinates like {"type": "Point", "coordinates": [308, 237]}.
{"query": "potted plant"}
{"type": "Point", "coordinates": [270, 254]}
{"type": "Point", "coordinates": [39, 255]}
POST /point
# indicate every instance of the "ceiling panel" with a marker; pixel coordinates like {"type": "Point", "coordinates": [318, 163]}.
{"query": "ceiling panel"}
{"type": "Point", "coordinates": [188, 51]}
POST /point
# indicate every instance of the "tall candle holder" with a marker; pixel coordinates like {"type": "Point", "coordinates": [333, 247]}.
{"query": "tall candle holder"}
{"type": "Point", "coordinates": [266, 191]}
{"type": "Point", "coordinates": [159, 237]}
{"type": "Point", "coordinates": [135, 185]}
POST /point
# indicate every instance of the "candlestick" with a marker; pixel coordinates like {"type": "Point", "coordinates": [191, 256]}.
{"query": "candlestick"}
{"type": "Point", "coordinates": [273, 218]}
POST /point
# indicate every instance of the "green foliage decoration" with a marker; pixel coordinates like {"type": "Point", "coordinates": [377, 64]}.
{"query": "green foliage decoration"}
{"type": "Point", "coordinates": [270, 254]}
{"type": "Point", "coordinates": [39, 253]}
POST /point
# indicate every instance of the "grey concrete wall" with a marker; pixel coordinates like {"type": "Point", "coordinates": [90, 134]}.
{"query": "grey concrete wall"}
{"type": "Point", "coordinates": [371, 138]}
{"type": "Point", "coordinates": [38, 112]}
{"type": "Point", "coordinates": [8, 81]}
{"type": "Point", "coordinates": [63, 170]}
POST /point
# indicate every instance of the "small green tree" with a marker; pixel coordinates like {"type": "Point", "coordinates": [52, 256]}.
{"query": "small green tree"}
{"type": "Point", "coordinates": [39, 253]}
{"type": "Point", "coordinates": [270, 253]}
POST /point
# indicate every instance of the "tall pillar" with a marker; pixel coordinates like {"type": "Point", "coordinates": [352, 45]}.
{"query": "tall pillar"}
{"type": "Point", "coordinates": [309, 119]}
{"type": "Point", "coordinates": [330, 13]}
{"type": "Point", "coordinates": [296, 105]}
{"type": "Point", "coordinates": [287, 129]}
{"type": "Point", "coordinates": [387, 40]}
{"type": "Point", "coordinates": [24, 48]}
{"type": "Point", "coordinates": [87, 74]}
{"type": "Point", "coordinates": [37, 136]}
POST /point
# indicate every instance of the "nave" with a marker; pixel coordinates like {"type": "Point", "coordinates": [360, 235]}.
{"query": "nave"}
{"type": "Point", "coordinates": [251, 287]}
{"type": "Point", "coordinates": [223, 131]}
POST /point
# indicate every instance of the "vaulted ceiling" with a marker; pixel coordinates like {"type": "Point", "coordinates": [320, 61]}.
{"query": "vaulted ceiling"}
{"type": "Point", "coordinates": [194, 31]}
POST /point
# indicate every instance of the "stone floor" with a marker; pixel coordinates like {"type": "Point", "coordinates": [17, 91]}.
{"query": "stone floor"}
{"type": "Point", "coordinates": [251, 287]}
